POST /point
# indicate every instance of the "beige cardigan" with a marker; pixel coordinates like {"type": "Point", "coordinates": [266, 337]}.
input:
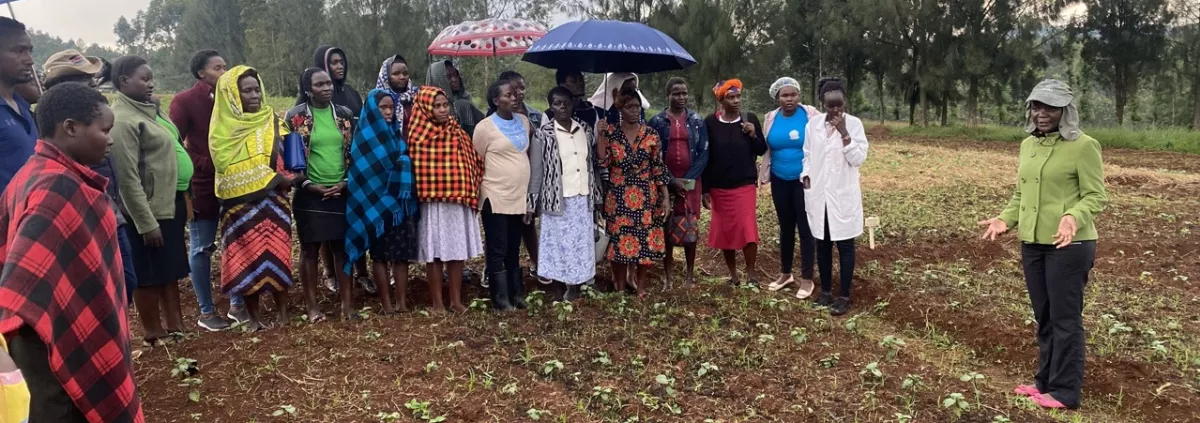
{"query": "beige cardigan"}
{"type": "Point", "coordinates": [505, 169]}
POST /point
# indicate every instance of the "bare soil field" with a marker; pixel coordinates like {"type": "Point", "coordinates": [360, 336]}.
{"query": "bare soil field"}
{"type": "Point", "coordinates": [940, 330]}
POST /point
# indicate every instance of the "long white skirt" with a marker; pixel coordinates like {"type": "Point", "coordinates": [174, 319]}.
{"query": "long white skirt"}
{"type": "Point", "coordinates": [448, 232]}
{"type": "Point", "coordinates": [568, 248]}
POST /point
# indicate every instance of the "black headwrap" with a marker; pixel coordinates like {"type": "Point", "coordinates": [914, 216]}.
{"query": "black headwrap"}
{"type": "Point", "coordinates": [306, 78]}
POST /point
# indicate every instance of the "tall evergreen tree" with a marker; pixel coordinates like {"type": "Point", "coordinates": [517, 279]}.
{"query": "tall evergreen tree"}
{"type": "Point", "coordinates": [1123, 41]}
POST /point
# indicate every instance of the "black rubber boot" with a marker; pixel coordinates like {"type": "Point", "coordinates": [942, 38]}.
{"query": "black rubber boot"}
{"type": "Point", "coordinates": [572, 293]}
{"type": "Point", "coordinates": [499, 290]}
{"type": "Point", "coordinates": [516, 289]}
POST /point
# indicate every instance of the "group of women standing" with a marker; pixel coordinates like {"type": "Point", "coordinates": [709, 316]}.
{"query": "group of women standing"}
{"type": "Point", "coordinates": [410, 173]}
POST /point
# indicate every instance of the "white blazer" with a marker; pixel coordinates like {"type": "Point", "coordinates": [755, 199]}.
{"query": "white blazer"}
{"type": "Point", "coordinates": [832, 170]}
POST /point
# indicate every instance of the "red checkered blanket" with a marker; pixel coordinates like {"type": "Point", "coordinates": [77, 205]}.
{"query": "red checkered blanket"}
{"type": "Point", "coordinates": [62, 277]}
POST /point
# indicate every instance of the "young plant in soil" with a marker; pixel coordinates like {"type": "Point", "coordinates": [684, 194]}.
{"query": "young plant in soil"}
{"type": "Point", "coordinates": [956, 403]}
{"type": "Point", "coordinates": [974, 378]}
{"type": "Point", "coordinates": [423, 410]}
{"type": "Point", "coordinates": [871, 374]}
{"type": "Point", "coordinates": [893, 345]}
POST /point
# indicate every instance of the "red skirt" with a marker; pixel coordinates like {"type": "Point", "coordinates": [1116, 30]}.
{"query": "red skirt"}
{"type": "Point", "coordinates": [734, 222]}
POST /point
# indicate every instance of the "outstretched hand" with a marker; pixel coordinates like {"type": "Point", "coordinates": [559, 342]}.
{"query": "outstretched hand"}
{"type": "Point", "coordinates": [995, 227]}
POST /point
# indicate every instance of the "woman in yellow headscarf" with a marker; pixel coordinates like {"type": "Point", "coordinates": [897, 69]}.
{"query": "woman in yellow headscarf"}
{"type": "Point", "coordinates": [256, 219]}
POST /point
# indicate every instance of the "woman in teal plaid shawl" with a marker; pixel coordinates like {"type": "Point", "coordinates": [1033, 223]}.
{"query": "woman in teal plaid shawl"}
{"type": "Point", "coordinates": [382, 208]}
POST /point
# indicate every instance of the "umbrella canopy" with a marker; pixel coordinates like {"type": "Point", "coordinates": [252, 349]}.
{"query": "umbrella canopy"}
{"type": "Point", "coordinates": [599, 46]}
{"type": "Point", "coordinates": [487, 38]}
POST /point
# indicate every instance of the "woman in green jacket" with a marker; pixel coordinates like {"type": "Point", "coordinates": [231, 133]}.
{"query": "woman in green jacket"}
{"type": "Point", "coordinates": [154, 172]}
{"type": "Point", "coordinates": [1060, 190]}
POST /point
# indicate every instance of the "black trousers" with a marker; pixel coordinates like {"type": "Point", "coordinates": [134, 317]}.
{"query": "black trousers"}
{"type": "Point", "coordinates": [1056, 278]}
{"type": "Point", "coordinates": [788, 197]}
{"type": "Point", "coordinates": [502, 242]}
{"type": "Point", "coordinates": [48, 400]}
{"type": "Point", "coordinates": [845, 261]}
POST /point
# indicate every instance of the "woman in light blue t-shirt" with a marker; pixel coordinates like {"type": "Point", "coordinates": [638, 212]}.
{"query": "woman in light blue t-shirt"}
{"type": "Point", "coordinates": [784, 129]}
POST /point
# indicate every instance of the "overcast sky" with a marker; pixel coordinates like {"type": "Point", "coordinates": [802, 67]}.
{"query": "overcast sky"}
{"type": "Point", "coordinates": [91, 20]}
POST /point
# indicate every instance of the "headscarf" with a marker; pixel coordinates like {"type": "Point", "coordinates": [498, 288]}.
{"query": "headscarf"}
{"type": "Point", "coordinates": [1055, 93]}
{"type": "Point", "coordinates": [727, 87]}
{"type": "Point", "coordinates": [613, 81]}
{"type": "Point", "coordinates": [241, 143]}
{"type": "Point", "coordinates": [461, 105]}
{"type": "Point", "coordinates": [780, 83]}
{"type": "Point", "coordinates": [384, 81]}
{"type": "Point", "coordinates": [306, 77]}
{"type": "Point", "coordinates": [445, 162]}
{"type": "Point", "coordinates": [343, 95]}
{"type": "Point", "coordinates": [380, 178]}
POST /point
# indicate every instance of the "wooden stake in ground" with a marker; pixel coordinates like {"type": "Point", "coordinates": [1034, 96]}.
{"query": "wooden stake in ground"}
{"type": "Point", "coordinates": [872, 223]}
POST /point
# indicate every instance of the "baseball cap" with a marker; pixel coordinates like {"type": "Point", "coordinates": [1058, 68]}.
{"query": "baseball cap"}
{"type": "Point", "coordinates": [71, 62]}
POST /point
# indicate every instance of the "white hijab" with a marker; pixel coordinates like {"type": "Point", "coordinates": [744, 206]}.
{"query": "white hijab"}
{"type": "Point", "coordinates": [603, 97]}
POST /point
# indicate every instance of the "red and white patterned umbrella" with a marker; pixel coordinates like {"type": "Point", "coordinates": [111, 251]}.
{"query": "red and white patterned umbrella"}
{"type": "Point", "coordinates": [487, 38]}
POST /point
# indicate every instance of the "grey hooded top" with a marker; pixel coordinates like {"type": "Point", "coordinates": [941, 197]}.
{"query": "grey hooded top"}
{"type": "Point", "coordinates": [460, 101]}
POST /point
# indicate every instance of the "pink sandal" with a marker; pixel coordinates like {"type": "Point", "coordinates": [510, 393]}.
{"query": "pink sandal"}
{"type": "Point", "coordinates": [1027, 390]}
{"type": "Point", "coordinates": [1046, 401]}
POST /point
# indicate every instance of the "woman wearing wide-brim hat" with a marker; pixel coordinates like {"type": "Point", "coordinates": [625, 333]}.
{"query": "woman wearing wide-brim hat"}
{"type": "Point", "coordinates": [1059, 193]}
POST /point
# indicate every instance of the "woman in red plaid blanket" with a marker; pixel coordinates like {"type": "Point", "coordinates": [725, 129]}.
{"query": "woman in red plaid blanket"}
{"type": "Point", "coordinates": [448, 172]}
{"type": "Point", "coordinates": [64, 320]}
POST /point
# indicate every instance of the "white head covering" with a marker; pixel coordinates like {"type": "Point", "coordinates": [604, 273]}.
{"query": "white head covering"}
{"type": "Point", "coordinates": [1055, 93]}
{"type": "Point", "coordinates": [613, 81]}
{"type": "Point", "coordinates": [780, 83]}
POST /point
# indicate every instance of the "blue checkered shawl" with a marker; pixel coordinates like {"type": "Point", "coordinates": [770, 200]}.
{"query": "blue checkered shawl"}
{"type": "Point", "coordinates": [380, 179]}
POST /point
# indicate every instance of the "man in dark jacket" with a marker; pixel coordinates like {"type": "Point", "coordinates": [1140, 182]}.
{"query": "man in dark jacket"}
{"type": "Point", "coordinates": [191, 112]}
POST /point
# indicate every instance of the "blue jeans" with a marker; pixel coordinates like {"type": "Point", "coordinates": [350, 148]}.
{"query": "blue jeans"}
{"type": "Point", "coordinates": [127, 263]}
{"type": "Point", "coordinates": [202, 235]}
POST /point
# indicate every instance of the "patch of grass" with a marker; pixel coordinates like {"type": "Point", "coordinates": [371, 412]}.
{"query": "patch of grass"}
{"type": "Point", "coordinates": [1165, 139]}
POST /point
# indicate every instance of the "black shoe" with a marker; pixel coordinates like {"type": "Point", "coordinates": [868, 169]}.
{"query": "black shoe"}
{"type": "Point", "coordinates": [825, 299]}
{"type": "Point", "coordinates": [516, 289]}
{"type": "Point", "coordinates": [212, 322]}
{"type": "Point", "coordinates": [840, 306]}
{"type": "Point", "coordinates": [239, 314]}
{"type": "Point", "coordinates": [572, 293]}
{"type": "Point", "coordinates": [499, 292]}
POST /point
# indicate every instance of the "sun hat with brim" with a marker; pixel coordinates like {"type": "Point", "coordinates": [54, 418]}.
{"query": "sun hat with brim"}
{"type": "Point", "coordinates": [1055, 93]}
{"type": "Point", "coordinates": [1052, 92]}
{"type": "Point", "coordinates": [71, 62]}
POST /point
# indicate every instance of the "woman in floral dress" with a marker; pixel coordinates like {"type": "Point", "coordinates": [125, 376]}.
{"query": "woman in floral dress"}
{"type": "Point", "coordinates": [637, 202]}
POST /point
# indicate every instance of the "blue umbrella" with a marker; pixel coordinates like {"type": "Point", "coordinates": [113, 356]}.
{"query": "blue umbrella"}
{"type": "Point", "coordinates": [599, 46]}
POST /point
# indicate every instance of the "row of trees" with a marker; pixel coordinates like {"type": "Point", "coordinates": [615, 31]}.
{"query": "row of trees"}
{"type": "Point", "coordinates": [920, 60]}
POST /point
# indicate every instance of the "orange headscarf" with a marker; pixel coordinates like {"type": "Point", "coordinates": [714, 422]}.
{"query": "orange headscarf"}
{"type": "Point", "coordinates": [725, 87]}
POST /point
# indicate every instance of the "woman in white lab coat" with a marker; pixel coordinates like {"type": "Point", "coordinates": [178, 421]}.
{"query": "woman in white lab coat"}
{"type": "Point", "coordinates": [835, 147]}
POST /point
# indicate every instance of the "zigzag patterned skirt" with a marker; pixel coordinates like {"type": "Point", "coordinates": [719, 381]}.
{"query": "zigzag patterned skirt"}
{"type": "Point", "coordinates": [257, 241]}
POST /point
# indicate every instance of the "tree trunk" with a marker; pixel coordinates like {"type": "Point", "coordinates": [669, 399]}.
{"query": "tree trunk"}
{"type": "Point", "coordinates": [1119, 99]}
{"type": "Point", "coordinates": [1196, 103]}
{"type": "Point", "coordinates": [901, 95]}
{"type": "Point", "coordinates": [973, 102]}
{"type": "Point", "coordinates": [924, 107]}
{"type": "Point", "coordinates": [1121, 91]}
{"type": "Point", "coordinates": [882, 105]}
{"type": "Point", "coordinates": [944, 111]}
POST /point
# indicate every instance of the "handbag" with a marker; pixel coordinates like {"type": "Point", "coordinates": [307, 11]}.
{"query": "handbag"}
{"type": "Point", "coordinates": [294, 157]}
{"type": "Point", "coordinates": [684, 229]}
